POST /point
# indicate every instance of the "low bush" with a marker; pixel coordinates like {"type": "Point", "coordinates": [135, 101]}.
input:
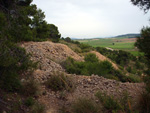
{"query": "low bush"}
{"type": "Point", "coordinates": [29, 101]}
{"type": "Point", "coordinates": [131, 70]}
{"type": "Point", "coordinates": [139, 65]}
{"type": "Point", "coordinates": [85, 47]}
{"type": "Point", "coordinates": [16, 106]}
{"type": "Point", "coordinates": [112, 105]}
{"type": "Point", "coordinates": [93, 66]}
{"type": "Point", "coordinates": [91, 58]}
{"type": "Point", "coordinates": [109, 102]}
{"type": "Point", "coordinates": [83, 105]}
{"type": "Point", "coordinates": [30, 88]}
{"type": "Point", "coordinates": [37, 108]}
{"type": "Point", "coordinates": [120, 57]}
{"type": "Point", "coordinates": [60, 81]}
{"type": "Point", "coordinates": [90, 66]}
{"type": "Point", "coordinates": [133, 78]}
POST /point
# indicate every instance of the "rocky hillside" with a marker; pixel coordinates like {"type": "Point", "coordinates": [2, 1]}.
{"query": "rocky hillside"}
{"type": "Point", "coordinates": [49, 55]}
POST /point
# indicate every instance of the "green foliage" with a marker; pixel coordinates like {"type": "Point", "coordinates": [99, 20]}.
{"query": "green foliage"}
{"type": "Point", "coordinates": [93, 66]}
{"type": "Point", "coordinates": [85, 47]}
{"type": "Point", "coordinates": [88, 67]}
{"type": "Point", "coordinates": [29, 105]}
{"type": "Point", "coordinates": [30, 88]}
{"type": "Point", "coordinates": [130, 63]}
{"type": "Point", "coordinates": [120, 57]}
{"type": "Point", "coordinates": [143, 42]}
{"type": "Point", "coordinates": [113, 105]}
{"type": "Point", "coordinates": [83, 105]}
{"type": "Point", "coordinates": [10, 82]}
{"type": "Point", "coordinates": [29, 102]}
{"type": "Point", "coordinates": [54, 33]}
{"type": "Point", "coordinates": [133, 78]}
{"type": "Point", "coordinates": [131, 70]}
{"type": "Point", "coordinates": [21, 21]}
{"type": "Point", "coordinates": [16, 106]}
{"type": "Point", "coordinates": [60, 81]}
{"type": "Point", "coordinates": [13, 61]}
{"type": "Point", "coordinates": [37, 108]}
{"type": "Point", "coordinates": [26, 23]}
{"type": "Point", "coordinates": [139, 65]}
{"type": "Point", "coordinates": [143, 4]}
{"type": "Point", "coordinates": [91, 58]}
{"type": "Point", "coordinates": [68, 39]}
{"type": "Point", "coordinates": [2, 23]}
{"type": "Point", "coordinates": [105, 104]}
{"type": "Point", "coordinates": [108, 102]}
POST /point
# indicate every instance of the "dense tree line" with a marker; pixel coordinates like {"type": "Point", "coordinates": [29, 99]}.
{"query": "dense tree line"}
{"type": "Point", "coordinates": [25, 22]}
{"type": "Point", "coordinates": [120, 57]}
{"type": "Point", "coordinates": [20, 21]}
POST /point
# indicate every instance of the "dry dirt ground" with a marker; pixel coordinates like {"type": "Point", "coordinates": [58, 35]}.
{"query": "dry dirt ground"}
{"type": "Point", "coordinates": [49, 55]}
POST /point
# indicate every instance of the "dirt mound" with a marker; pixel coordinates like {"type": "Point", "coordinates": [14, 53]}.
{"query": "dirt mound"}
{"type": "Point", "coordinates": [103, 58]}
{"type": "Point", "coordinates": [54, 51]}
{"type": "Point", "coordinates": [48, 55]}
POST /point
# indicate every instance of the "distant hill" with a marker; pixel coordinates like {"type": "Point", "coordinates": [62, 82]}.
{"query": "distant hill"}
{"type": "Point", "coordinates": [128, 36]}
{"type": "Point", "coordinates": [134, 35]}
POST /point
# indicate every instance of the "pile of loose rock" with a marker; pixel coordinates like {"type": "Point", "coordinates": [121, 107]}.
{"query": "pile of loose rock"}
{"type": "Point", "coordinates": [49, 55]}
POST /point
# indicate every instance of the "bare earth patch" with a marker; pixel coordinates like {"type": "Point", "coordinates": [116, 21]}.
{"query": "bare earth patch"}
{"type": "Point", "coordinates": [103, 58]}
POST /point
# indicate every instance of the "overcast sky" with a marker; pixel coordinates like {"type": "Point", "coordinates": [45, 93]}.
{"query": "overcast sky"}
{"type": "Point", "coordinates": [93, 18]}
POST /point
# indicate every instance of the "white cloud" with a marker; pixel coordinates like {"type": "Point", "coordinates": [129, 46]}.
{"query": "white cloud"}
{"type": "Point", "coordinates": [93, 18]}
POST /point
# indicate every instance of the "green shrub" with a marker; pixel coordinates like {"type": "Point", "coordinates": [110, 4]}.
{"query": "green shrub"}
{"type": "Point", "coordinates": [60, 81]}
{"type": "Point", "coordinates": [133, 78]}
{"type": "Point", "coordinates": [37, 108]}
{"type": "Point", "coordinates": [29, 102]}
{"type": "Point", "coordinates": [113, 105]}
{"type": "Point", "coordinates": [16, 106]}
{"type": "Point", "coordinates": [10, 82]}
{"type": "Point", "coordinates": [138, 65]}
{"type": "Point", "coordinates": [119, 75]}
{"type": "Point", "coordinates": [129, 69]}
{"type": "Point", "coordinates": [109, 102]}
{"type": "Point", "coordinates": [85, 47]}
{"type": "Point", "coordinates": [14, 61]}
{"type": "Point", "coordinates": [83, 105]}
{"type": "Point", "coordinates": [91, 58]}
{"type": "Point", "coordinates": [89, 67]}
{"type": "Point", "coordinates": [99, 68]}
{"type": "Point", "coordinates": [30, 88]}
{"type": "Point", "coordinates": [93, 66]}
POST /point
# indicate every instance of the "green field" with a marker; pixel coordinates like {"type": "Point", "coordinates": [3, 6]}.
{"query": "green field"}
{"type": "Point", "coordinates": [126, 44]}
